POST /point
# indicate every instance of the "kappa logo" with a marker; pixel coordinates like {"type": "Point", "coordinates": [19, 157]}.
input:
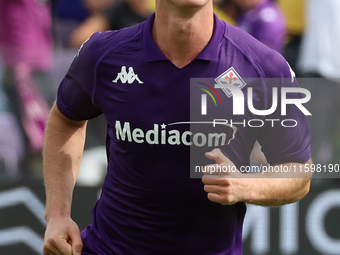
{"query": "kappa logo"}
{"type": "Point", "coordinates": [129, 77]}
{"type": "Point", "coordinates": [230, 77]}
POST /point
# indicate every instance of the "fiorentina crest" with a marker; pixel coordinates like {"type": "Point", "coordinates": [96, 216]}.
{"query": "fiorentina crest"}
{"type": "Point", "coordinates": [230, 77]}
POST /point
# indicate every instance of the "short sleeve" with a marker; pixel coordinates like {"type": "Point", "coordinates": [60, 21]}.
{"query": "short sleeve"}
{"type": "Point", "coordinates": [74, 102]}
{"type": "Point", "coordinates": [76, 92]}
{"type": "Point", "coordinates": [285, 137]}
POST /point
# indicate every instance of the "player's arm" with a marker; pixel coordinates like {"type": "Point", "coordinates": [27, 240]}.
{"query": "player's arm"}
{"type": "Point", "coordinates": [267, 189]}
{"type": "Point", "coordinates": [63, 148]}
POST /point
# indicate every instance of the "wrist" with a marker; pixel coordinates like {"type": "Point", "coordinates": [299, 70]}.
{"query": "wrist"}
{"type": "Point", "coordinates": [57, 214]}
{"type": "Point", "coordinates": [250, 192]}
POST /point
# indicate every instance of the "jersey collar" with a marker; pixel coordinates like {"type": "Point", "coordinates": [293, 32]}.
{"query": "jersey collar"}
{"type": "Point", "coordinates": [210, 52]}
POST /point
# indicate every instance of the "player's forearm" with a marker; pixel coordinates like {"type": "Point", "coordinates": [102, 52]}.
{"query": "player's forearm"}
{"type": "Point", "coordinates": [274, 189]}
{"type": "Point", "coordinates": [64, 143]}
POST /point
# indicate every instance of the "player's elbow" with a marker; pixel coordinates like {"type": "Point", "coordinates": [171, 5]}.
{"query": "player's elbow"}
{"type": "Point", "coordinates": [304, 189]}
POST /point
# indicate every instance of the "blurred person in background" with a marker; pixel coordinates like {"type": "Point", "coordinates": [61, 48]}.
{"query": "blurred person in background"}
{"type": "Point", "coordinates": [294, 11]}
{"type": "Point", "coordinates": [264, 20]}
{"type": "Point", "coordinates": [98, 5]}
{"type": "Point", "coordinates": [226, 10]}
{"type": "Point", "coordinates": [320, 59]}
{"type": "Point", "coordinates": [123, 13]}
{"type": "Point", "coordinates": [26, 49]}
{"type": "Point", "coordinates": [68, 14]}
{"type": "Point", "coordinates": [11, 142]}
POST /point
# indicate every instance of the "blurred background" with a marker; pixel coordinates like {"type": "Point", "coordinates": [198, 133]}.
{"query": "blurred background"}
{"type": "Point", "coordinates": [38, 41]}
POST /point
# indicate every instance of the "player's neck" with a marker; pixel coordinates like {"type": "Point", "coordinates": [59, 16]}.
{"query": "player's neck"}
{"type": "Point", "coordinates": [182, 37]}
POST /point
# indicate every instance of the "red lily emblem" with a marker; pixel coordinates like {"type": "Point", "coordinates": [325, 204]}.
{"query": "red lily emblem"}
{"type": "Point", "coordinates": [231, 77]}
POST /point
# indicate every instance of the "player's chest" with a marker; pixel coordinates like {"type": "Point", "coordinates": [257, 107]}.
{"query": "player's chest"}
{"type": "Point", "coordinates": [163, 93]}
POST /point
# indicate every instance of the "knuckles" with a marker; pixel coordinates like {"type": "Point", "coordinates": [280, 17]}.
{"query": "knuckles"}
{"type": "Point", "coordinates": [225, 182]}
{"type": "Point", "coordinates": [47, 248]}
{"type": "Point", "coordinates": [78, 246]}
{"type": "Point", "coordinates": [51, 241]}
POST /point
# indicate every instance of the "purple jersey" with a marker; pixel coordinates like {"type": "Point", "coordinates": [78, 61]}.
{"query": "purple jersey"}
{"type": "Point", "coordinates": [266, 22]}
{"type": "Point", "coordinates": [149, 203]}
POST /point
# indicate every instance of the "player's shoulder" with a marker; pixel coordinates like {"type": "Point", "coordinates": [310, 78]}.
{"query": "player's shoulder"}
{"type": "Point", "coordinates": [102, 42]}
{"type": "Point", "coordinates": [268, 62]}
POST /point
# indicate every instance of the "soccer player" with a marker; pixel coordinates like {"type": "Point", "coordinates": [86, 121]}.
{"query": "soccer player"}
{"type": "Point", "coordinates": [149, 203]}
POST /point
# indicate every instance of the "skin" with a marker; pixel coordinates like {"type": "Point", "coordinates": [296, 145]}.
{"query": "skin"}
{"type": "Point", "coordinates": [182, 29]}
{"type": "Point", "coordinates": [63, 147]}
{"type": "Point", "coordinates": [268, 189]}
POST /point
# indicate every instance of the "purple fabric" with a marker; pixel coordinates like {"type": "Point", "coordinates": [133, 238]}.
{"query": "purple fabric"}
{"type": "Point", "coordinates": [149, 203]}
{"type": "Point", "coordinates": [25, 33]}
{"type": "Point", "coordinates": [266, 23]}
